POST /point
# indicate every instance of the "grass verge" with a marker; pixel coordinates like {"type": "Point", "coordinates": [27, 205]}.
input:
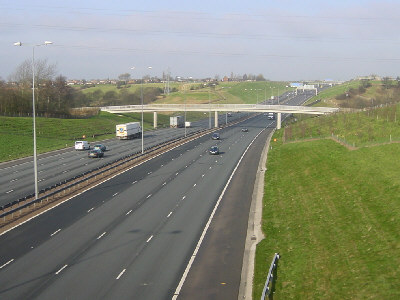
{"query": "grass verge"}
{"type": "Point", "coordinates": [333, 215]}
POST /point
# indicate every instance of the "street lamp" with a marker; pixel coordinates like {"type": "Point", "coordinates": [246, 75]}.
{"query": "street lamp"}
{"type": "Point", "coordinates": [141, 99]}
{"type": "Point", "coordinates": [34, 112]}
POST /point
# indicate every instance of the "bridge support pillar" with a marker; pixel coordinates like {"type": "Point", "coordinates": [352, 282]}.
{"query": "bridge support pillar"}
{"type": "Point", "coordinates": [278, 121]}
{"type": "Point", "coordinates": [216, 119]}
{"type": "Point", "coordinates": [155, 119]}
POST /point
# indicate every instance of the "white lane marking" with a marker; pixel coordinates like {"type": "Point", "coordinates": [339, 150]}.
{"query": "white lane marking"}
{"type": "Point", "coordinates": [10, 191]}
{"type": "Point", "coordinates": [101, 235]}
{"type": "Point", "coordinates": [134, 182]}
{"type": "Point", "coordinates": [129, 212]}
{"type": "Point", "coordinates": [192, 258]}
{"type": "Point", "coordinates": [149, 173]}
{"type": "Point", "coordinates": [203, 175]}
{"type": "Point", "coordinates": [149, 239]}
{"type": "Point", "coordinates": [59, 271]}
{"type": "Point", "coordinates": [55, 232]}
{"type": "Point", "coordinates": [210, 168]}
{"type": "Point", "coordinates": [90, 209]}
{"type": "Point", "coordinates": [120, 274]}
{"type": "Point", "coordinates": [194, 184]}
{"type": "Point", "coordinates": [148, 196]}
{"type": "Point", "coordinates": [162, 165]}
{"type": "Point", "coordinates": [115, 194]}
{"type": "Point", "coordinates": [14, 180]}
{"type": "Point", "coordinates": [183, 198]}
{"type": "Point", "coordinates": [164, 183]}
{"type": "Point", "coordinates": [185, 166]}
{"type": "Point", "coordinates": [7, 263]}
{"type": "Point", "coordinates": [65, 171]}
{"type": "Point", "coordinates": [170, 213]}
{"type": "Point", "coordinates": [176, 173]}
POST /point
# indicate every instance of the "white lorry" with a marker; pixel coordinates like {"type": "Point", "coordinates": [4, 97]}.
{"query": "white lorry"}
{"type": "Point", "coordinates": [188, 124]}
{"type": "Point", "coordinates": [82, 145]}
{"type": "Point", "coordinates": [128, 130]}
{"type": "Point", "coordinates": [176, 122]}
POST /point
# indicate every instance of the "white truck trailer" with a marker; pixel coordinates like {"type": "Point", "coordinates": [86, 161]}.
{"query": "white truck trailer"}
{"type": "Point", "coordinates": [188, 124]}
{"type": "Point", "coordinates": [176, 122]}
{"type": "Point", "coordinates": [128, 131]}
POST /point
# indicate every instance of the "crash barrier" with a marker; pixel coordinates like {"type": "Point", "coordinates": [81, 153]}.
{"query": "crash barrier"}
{"type": "Point", "coordinates": [266, 290]}
{"type": "Point", "coordinates": [16, 208]}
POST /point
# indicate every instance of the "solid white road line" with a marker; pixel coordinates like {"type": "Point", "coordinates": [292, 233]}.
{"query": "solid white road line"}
{"type": "Point", "coordinates": [9, 262]}
{"type": "Point", "coordinates": [149, 239]}
{"type": "Point", "coordinates": [120, 274]}
{"type": "Point", "coordinates": [101, 235]}
{"type": "Point", "coordinates": [170, 213]}
{"type": "Point", "coordinates": [90, 209]}
{"type": "Point", "coordinates": [55, 232]}
{"type": "Point", "coordinates": [115, 194]}
{"type": "Point", "coordinates": [129, 212]}
{"type": "Point", "coordinates": [59, 271]}
{"type": "Point", "coordinates": [192, 258]}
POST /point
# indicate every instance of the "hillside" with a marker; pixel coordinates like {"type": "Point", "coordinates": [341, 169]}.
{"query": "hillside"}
{"type": "Point", "coordinates": [332, 208]}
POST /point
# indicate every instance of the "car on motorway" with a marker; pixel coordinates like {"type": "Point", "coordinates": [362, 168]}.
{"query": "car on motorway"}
{"type": "Point", "coordinates": [214, 150]}
{"type": "Point", "coordinates": [244, 129]}
{"type": "Point", "coordinates": [215, 136]}
{"type": "Point", "coordinates": [100, 146]}
{"type": "Point", "coordinates": [82, 145]}
{"type": "Point", "coordinates": [97, 153]}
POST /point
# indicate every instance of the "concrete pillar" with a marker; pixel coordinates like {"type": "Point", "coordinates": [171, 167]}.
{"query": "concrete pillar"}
{"type": "Point", "coordinates": [216, 120]}
{"type": "Point", "coordinates": [278, 121]}
{"type": "Point", "coordinates": [155, 119]}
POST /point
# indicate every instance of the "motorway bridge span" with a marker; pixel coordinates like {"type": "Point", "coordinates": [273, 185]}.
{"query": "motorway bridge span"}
{"type": "Point", "coordinates": [216, 108]}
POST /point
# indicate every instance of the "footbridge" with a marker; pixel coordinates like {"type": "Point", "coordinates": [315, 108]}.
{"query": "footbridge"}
{"type": "Point", "coordinates": [217, 108]}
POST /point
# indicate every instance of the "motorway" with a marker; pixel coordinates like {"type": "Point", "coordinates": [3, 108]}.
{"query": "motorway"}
{"type": "Point", "coordinates": [128, 238]}
{"type": "Point", "coordinates": [132, 236]}
{"type": "Point", "coordinates": [17, 180]}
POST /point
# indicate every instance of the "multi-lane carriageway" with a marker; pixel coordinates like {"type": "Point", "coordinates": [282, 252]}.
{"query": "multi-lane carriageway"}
{"type": "Point", "coordinates": [132, 236]}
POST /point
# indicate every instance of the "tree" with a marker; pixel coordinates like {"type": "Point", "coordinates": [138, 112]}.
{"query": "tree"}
{"type": "Point", "coordinates": [260, 77]}
{"type": "Point", "coordinates": [387, 82]}
{"type": "Point", "coordinates": [43, 71]}
{"type": "Point", "coordinates": [124, 77]}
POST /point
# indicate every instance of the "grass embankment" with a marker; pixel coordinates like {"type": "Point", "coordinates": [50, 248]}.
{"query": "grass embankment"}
{"type": "Point", "coordinates": [16, 132]}
{"type": "Point", "coordinates": [333, 215]}
{"type": "Point", "coordinates": [359, 129]}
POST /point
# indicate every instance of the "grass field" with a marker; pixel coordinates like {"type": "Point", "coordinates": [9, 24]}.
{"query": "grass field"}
{"type": "Point", "coordinates": [364, 128]}
{"type": "Point", "coordinates": [16, 133]}
{"type": "Point", "coordinates": [333, 215]}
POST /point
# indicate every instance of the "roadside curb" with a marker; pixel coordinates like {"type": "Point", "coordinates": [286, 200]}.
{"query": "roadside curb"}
{"type": "Point", "coordinates": [254, 231]}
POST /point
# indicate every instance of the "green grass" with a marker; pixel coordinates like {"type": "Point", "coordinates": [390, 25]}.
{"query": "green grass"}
{"type": "Point", "coordinates": [16, 135]}
{"type": "Point", "coordinates": [333, 215]}
{"type": "Point", "coordinates": [360, 129]}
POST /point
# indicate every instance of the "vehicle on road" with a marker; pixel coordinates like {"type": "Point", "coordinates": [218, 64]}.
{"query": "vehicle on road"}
{"type": "Point", "coordinates": [188, 124]}
{"type": "Point", "coordinates": [128, 131]}
{"type": "Point", "coordinates": [245, 129]}
{"type": "Point", "coordinates": [214, 150]}
{"type": "Point", "coordinates": [229, 114]}
{"type": "Point", "coordinates": [100, 146]}
{"type": "Point", "coordinates": [215, 136]}
{"type": "Point", "coordinates": [271, 116]}
{"type": "Point", "coordinates": [82, 145]}
{"type": "Point", "coordinates": [95, 153]}
{"type": "Point", "coordinates": [176, 122]}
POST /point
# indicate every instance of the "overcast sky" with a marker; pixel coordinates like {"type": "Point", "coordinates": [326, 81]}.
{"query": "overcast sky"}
{"type": "Point", "coordinates": [283, 40]}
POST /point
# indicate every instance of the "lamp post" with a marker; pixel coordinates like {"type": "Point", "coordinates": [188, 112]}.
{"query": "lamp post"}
{"type": "Point", "coordinates": [141, 100]}
{"type": "Point", "coordinates": [34, 112]}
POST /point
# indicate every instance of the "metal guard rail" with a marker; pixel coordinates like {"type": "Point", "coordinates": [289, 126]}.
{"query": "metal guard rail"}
{"type": "Point", "coordinates": [266, 289]}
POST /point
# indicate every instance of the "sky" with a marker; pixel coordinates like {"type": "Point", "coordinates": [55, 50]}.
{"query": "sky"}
{"type": "Point", "coordinates": [282, 40]}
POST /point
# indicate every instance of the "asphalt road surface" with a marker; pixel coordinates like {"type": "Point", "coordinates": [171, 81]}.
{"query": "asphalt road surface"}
{"type": "Point", "coordinates": [128, 238]}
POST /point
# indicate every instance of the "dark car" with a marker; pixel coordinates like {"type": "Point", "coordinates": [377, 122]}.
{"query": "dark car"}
{"type": "Point", "coordinates": [215, 136]}
{"type": "Point", "coordinates": [214, 150]}
{"type": "Point", "coordinates": [95, 153]}
{"type": "Point", "coordinates": [245, 130]}
{"type": "Point", "coordinates": [100, 147]}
